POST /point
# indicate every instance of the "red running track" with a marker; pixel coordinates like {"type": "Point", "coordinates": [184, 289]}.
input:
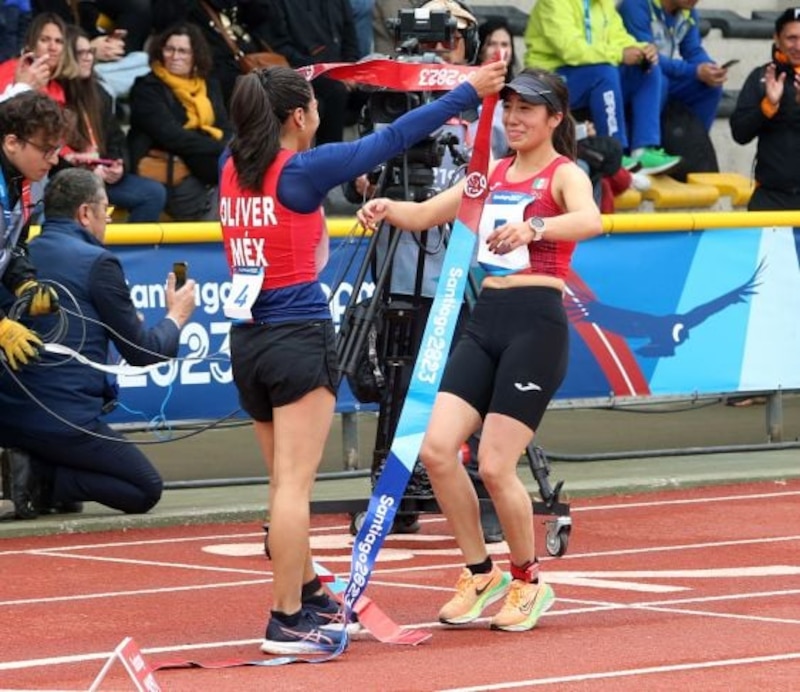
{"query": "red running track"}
{"type": "Point", "coordinates": [694, 589]}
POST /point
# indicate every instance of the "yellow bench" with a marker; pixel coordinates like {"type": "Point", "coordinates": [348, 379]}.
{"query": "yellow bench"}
{"type": "Point", "coordinates": [734, 185]}
{"type": "Point", "coordinates": [627, 200]}
{"type": "Point", "coordinates": [668, 193]}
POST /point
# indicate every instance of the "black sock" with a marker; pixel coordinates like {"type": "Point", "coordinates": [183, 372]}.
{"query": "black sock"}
{"type": "Point", "coordinates": [482, 567]}
{"type": "Point", "coordinates": [291, 620]}
{"type": "Point", "coordinates": [311, 588]}
{"type": "Point", "coordinates": [320, 600]}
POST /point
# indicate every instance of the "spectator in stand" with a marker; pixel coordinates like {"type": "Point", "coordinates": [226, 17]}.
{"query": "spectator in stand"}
{"type": "Point", "coordinates": [43, 59]}
{"type": "Point", "coordinates": [362, 19]}
{"type": "Point", "coordinates": [15, 17]}
{"type": "Point", "coordinates": [134, 17]}
{"type": "Point", "coordinates": [318, 31]}
{"type": "Point", "coordinates": [768, 108]}
{"type": "Point", "coordinates": [93, 462]}
{"type": "Point", "coordinates": [607, 71]}
{"type": "Point", "coordinates": [688, 73]}
{"type": "Point", "coordinates": [247, 22]}
{"type": "Point", "coordinates": [96, 140]}
{"type": "Point", "coordinates": [178, 108]}
{"type": "Point", "coordinates": [117, 30]}
{"type": "Point", "coordinates": [383, 39]}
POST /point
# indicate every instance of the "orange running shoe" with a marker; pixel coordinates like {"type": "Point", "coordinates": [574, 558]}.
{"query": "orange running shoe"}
{"type": "Point", "coordinates": [524, 605]}
{"type": "Point", "coordinates": [474, 592]}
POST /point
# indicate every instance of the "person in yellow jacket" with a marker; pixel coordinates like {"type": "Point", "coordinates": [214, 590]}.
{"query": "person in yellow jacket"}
{"type": "Point", "coordinates": [607, 71]}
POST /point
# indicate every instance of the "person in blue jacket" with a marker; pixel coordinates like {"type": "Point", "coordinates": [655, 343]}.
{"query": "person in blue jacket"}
{"type": "Point", "coordinates": [56, 419]}
{"type": "Point", "coordinates": [689, 75]}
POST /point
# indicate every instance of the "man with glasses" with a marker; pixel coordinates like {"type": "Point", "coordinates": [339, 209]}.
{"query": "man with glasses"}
{"type": "Point", "coordinates": [31, 126]}
{"type": "Point", "coordinates": [71, 453]}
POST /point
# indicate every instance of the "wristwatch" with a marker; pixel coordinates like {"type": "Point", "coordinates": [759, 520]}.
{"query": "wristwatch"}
{"type": "Point", "coordinates": [536, 224]}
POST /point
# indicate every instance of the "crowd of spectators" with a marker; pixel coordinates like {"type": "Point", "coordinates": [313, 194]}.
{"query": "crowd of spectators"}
{"type": "Point", "coordinates": [622, 63]}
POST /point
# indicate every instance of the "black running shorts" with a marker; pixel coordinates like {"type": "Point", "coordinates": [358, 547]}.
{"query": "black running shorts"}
{"type": "Point", "coordinates": [512, 356]}
{"type": "Point", "coordinates": [275, 365]}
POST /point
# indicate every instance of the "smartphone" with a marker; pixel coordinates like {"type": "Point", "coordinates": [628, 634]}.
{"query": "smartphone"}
{"type": "Point", "coordinates": [180, 269]}
{"type": "Point", "coordinates": [728, 64]}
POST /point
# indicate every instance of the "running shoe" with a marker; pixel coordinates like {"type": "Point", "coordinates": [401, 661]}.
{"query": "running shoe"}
{"type": "Point", "coordinates": [629, 163]}
{"type": "Point", "coordinates": [524, 605]}
{"type": "Point", "coordinates": [331, 616]}
{"type": "Point", "coordinates": [653, 161]}
{"type": "Point", "coordinates": [307, 637]}
{"type": "Point", "coordinates": [474, 592]}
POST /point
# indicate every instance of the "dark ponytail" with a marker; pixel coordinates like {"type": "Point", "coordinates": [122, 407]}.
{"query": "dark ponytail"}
{"type": "Point", "coordinates": [261, 102]}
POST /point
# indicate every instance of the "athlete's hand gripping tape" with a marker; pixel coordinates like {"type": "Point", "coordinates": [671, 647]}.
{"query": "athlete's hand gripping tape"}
{"type": "Point", "coordinates": [20, 345]}
{"type": "Point", "coordinates": [38, 298]}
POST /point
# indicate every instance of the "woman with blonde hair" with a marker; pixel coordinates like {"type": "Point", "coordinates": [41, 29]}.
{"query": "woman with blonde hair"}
{"type": "Point", "coordinates": [43, 59]}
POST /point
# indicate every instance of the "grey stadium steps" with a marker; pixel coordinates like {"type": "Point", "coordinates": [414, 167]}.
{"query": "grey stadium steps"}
{"type": "Point", "coordinates": [733, 25]}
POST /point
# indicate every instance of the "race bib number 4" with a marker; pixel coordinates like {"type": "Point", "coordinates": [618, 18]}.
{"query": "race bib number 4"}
{"type": "Point", "coordinates": [245, 287]}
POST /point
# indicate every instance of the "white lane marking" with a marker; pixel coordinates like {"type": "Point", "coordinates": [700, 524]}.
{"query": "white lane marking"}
{"type": "Point", "coordinates": [687, 501]}
{"type": "Point", "coordinates": [698, 665]}
{"type": "Point", "coordinates": [135, 592]}
{"type": "Point", "coordinates": [423, 519]}
{"type": "Point", "coordinates": [154, 563]}
{"type": "Point", "coordinates": [684, 546]}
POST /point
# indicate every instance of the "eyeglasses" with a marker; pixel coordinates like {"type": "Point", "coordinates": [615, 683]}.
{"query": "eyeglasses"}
{"type": "Point", "coordinates": [179, 51]}
{"type": "Point", "coordinates": [48, 151]}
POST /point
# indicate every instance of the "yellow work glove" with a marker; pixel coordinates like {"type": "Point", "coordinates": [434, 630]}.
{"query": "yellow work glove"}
{"type": "Point", "coordinates": [19, 343]}
{"type": "Point", "coordinates": [40, 299]}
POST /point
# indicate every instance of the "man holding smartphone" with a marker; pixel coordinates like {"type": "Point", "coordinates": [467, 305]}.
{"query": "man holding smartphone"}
{"type": "Point", "coordinates": [72, 455]}
{"type": "Point", "coordinates": [689, 74]}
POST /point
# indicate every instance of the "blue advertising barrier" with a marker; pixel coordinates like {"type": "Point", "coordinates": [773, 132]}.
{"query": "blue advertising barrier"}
{"type": "Point", "coordinates": [675, 313]}
{"type": "Point", "coordinates": [199, 384]}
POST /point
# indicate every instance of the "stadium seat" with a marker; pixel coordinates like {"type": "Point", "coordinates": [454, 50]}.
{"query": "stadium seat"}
{"type": "Point", "coordinates": [668, 193]}
{"type": "Point", "coordinates": [627, 200]}
{"type": "Point", "coordinates": [733, 185]}
{"type": "Point", "coordinates": [733, 25]}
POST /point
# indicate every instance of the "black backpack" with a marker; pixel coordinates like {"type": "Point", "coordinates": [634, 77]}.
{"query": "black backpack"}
{"type": "Point", "coordinates": [683, 134]}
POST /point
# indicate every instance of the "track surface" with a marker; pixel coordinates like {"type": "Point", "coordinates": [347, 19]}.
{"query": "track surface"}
{"type": "Point", "coordinates": [693, 589]}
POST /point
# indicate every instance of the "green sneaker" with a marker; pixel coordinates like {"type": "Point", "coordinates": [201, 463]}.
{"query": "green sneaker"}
{"type": "Point", "coordinates": [629, 163]}
{"type": "Point", "coordinates": [474, 592]}
{"type": "Point", "coordinates": [654, 161]}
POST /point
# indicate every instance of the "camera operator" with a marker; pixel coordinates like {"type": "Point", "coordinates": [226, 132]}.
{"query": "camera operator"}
{"type": "Point", "coordinates": [57, 466]}
{"type": "Point", "coordinates": [769, 108]}
{"type": "Point", "coordinates": [417, 262]}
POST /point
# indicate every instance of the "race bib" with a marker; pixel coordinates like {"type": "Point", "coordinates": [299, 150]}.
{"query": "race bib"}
{"type": "Point", "coordinates": [502, 207]}
{"type": "Point", "coordinates": [245, 288]}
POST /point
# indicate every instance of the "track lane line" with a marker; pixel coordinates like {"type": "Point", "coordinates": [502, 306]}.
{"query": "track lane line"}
{"type": "Point", "coordinates": [630, 672]}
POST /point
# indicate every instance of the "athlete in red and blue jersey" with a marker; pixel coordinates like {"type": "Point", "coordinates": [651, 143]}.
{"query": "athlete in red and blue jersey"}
{"type": "Point", "coordinates": [512, 355]}
{"type": "Point", "coordinates": [283, 346]}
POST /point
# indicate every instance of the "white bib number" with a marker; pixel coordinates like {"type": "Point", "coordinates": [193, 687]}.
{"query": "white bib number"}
{"type": "Point", "coordinates": [502, 207]}
{"type": "Point", "coordinates": [245, 287]}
